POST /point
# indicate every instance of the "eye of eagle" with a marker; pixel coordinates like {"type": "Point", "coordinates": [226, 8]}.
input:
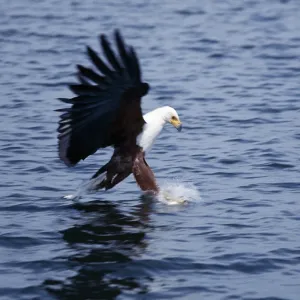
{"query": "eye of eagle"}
{"type": "Point", "coordinates": [174, 118]}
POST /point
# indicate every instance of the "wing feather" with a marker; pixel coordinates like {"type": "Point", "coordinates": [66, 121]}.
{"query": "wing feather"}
{"type": "Point", "coordinates": [82, 79]}
{"type": "Point", "coordinates": [84, 89]}
{"type": "Point", "coordinates": [92, 75]}
{"type": "Point", "coordinates": [109, 53]}
{"type": "Point", "coordinates": [99, 63]}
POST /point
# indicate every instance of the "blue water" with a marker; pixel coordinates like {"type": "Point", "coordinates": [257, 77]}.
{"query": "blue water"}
{"type": "Point", "coordinates": [232, 71]}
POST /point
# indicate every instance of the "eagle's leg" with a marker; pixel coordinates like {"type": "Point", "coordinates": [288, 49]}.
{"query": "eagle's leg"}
{"type": "Point", "coordinates": [143, 174]}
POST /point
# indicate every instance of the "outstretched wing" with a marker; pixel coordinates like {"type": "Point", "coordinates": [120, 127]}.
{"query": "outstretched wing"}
{"type": "Point", "coordinates": [107, 107]}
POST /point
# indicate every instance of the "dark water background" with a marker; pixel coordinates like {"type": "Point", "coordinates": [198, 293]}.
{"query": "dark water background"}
{"type": "Point", "coordinates": [232, 71]}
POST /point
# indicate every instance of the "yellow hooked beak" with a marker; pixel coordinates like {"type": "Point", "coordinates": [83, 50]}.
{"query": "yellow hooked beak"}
{"type": "Point", "coordinates": [176, 123]}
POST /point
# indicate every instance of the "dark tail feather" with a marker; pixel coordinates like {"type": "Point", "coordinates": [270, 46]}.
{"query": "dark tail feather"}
{"type": "Point", "coordinates": [99, 179]}
{"type": "Point", "coordinates": [108, 176]}
{"type": "Point", "coordinates": [101, 171]}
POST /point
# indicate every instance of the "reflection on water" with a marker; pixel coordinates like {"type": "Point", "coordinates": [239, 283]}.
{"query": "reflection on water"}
{"type": "Point", "coordinates": [104, 242]}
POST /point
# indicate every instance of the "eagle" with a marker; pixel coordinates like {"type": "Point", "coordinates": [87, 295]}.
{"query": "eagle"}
{"type": "Point", "coordinates": [106, 111]}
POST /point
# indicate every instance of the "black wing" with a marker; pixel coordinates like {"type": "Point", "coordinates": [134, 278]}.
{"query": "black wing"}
{"type": "Point", "coordinates": [107, 108]}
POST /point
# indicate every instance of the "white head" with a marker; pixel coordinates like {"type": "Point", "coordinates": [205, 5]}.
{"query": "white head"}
{"type": "Point", "coordinates": [166, 114]}
{"type": "Point", "coordinates": [155, 121]}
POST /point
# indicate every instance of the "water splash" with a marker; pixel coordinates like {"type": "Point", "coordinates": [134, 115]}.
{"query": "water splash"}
{"type": "Point", "coordinates": [87, 187]}
{"type": "Point", "coordinates": [176, 192]}
{"type": "Point", "coordinates": [171, 192]}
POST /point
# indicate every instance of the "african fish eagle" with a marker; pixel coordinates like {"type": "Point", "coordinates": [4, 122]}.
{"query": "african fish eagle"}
{"type": "Point", "coordinates": [106, 111]}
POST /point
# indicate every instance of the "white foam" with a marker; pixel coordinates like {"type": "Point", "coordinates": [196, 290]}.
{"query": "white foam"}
{"type": "Point", "coordinates": [70, 197]}
{"type": "Point", "coordinates": [176, 193]}
{"type": "Point", "coordinates": [87, 187]}
{"type": "Point", "coordinates": [171, 192]}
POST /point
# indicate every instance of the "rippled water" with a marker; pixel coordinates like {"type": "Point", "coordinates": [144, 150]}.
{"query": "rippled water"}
{"type": "Point", "coordinates": [231, 69]}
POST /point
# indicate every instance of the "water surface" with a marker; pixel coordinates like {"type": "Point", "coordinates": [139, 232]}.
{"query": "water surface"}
{"type": "Point", "coordinates": [231, 69]}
